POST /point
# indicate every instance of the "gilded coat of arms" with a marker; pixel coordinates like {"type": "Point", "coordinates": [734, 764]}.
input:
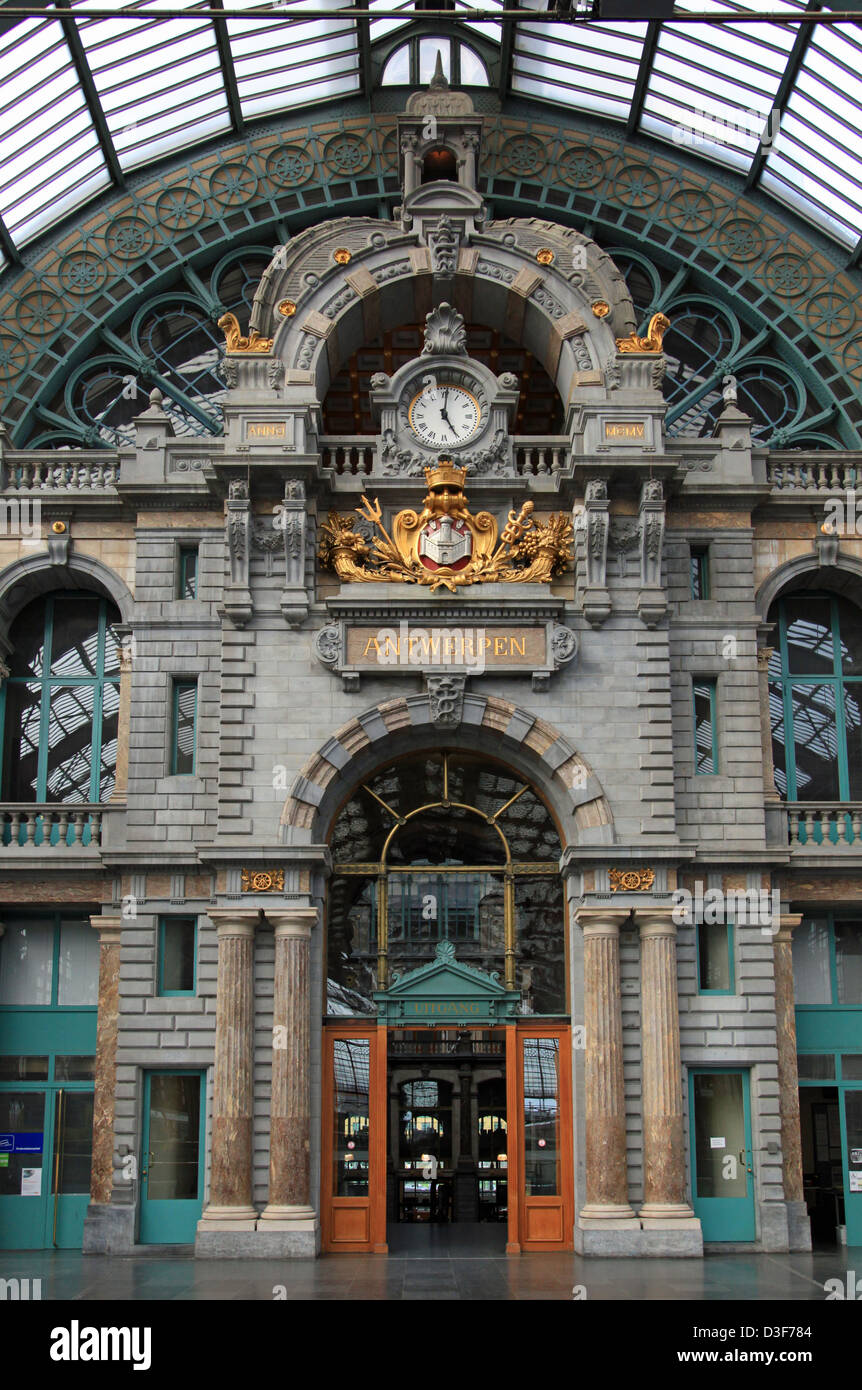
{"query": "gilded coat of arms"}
{"type": "Point", "coordinates": [445, 545]}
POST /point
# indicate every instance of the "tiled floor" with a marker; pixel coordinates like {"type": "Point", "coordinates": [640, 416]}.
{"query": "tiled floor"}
{"type": "Point", "coordinates": [419, 1270]}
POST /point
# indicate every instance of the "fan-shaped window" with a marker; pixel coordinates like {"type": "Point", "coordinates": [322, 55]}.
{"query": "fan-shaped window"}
{"type": "Point", "coordinates": [414, 62]}
{"type": "Point", "coordinates": [815, 698]}
{"type": "Point", "coordinates": [445, 847]}
{"type": "Point", "coordinates": [61, 702]}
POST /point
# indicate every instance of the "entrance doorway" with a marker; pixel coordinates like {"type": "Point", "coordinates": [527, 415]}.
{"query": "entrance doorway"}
{"type": "Point", "coordinates": [448, 1134]}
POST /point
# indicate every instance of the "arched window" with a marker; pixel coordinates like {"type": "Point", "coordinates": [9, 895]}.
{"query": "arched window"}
{"type": "Point", "coordinates": [815, 697]}
{"type": "Point", "coordinates": [445, 847]}
{"type": "Point", "coordinates": [61, 701]}
{"type": "Point", "coordinates": [413, 63]}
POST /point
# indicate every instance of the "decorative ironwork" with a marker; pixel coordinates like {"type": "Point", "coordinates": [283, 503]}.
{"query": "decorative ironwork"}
{"type": "Point", "coordinates": [262, 880]}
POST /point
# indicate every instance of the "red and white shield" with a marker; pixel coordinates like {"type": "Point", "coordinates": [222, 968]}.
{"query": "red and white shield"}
{"type": "Point", "coordinates": [445, 542]}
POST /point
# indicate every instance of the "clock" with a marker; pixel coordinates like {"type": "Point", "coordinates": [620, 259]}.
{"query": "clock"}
{"type": "Point", "coordinates": [443, 416]}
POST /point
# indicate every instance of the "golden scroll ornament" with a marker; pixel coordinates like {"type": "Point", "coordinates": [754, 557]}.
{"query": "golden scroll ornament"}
{"type": "Point", "coordinates": [658, 326]}
{"type": "Point", "coordinates": [445, 546]}
{"type": "Point", "coordinates": [237, 341]}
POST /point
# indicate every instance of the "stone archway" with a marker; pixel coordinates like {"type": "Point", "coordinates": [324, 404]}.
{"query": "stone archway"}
{"type": "Point", "coordinates": [532, 746]}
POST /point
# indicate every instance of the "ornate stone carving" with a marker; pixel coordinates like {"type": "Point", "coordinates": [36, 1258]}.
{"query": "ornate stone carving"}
{"type": "Point", "coordinates": [443, 243]}
{"type": "Point", "coordinates": [292, 520]}
{"type": "Point", "coordinates": [631, 880]}
{"type": "Point", "coordinates": [327, 645]}
{"type": "Point", "coordinates": [267, 540]}
{"type": "Point", "coordinates": [275, 374]}
{"type": "Point", "coordinates": [262, 880]}
{"type": "Point", "coordinates": [446, 698]}
{"type": "Point", "coordinates": [237, 597]}
{"type": "Point", "coordinates": [652, 603]}
{"type": "Point", "coordinates": [445, 334]}
{"type": "Point", "coordinates": [595, 527]}
{"type": "Point", "coordinates": [564, 645]}
{"type": "Point", "coordinates": [228, 370]}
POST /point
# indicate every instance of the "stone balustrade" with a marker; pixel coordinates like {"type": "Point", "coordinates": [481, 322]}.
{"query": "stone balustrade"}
{"type": "Point", "coordinates": [349, 456]}
{"type": "Point", "coordinates": [814, 472]}
{"type": "Point", "coordinates": [60, 472]}
{"type": "Point", "coordinates": [32, 825]}
{"type": "Point", "coordinates": [824, 825]}
{"type": "Point", "coordinates": [540, 457]}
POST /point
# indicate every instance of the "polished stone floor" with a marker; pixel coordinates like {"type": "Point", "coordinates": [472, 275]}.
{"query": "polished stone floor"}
{"type": "Point", "coordinates": [424, 1265]}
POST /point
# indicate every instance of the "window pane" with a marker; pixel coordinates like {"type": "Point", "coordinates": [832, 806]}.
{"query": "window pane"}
{"type": "Point", "coordinates": [848, 961]}
{"type": "Point", "coordinates": [816, 1066]}
{"type": "Point", "coordinates": [22, 1113]}
{"type": "Point", "coordinates": [74, 1068]}
{"type": "Point", "coordinates": [811, 980]}
{"type": "Point", "coordinates": [541, 1117]}
{"type": "Point", "coordinates": [719, 1116]}
{"type": "Point", "coordinates": [188, 572]}
{"type": "Point", "coordinates": [174, 1133]}
{"type": "Point", "coordinates": [26, 963]}
{"type": "Point", "coordinates": [851, 1066]}
{"type": "Point", "coordinates": [704, 715]}
{"type": "Point", "coordinates": [185, 697]}
{"type": "Point", "coordinates": [850, 637]}
{"type": "Point", "coordinates": [351, 1057]}
{"type": "Point", "coordinates": [540, 951]}
{"type": "Point", "coordinates": [713, 956]}
{"type": "Point", "coordinates": [110, 729]}
{"type": "Point", "coordinates": [27, 636]}
{"type": "Point", "coordinates": [853, 731]}
{"type": "Point", "coordinates": [809, 636]}
{"type": "Point", "coordinates": [73, 1141]}
{"type": "Point", "coordinates": [699, 578]}
{"type": "Point", "coordinates": [79, 964]}
{"type": "Point", "coordinates": [23, 1068]}
{"type": "Point", "coordinates": [23, 714]}
{"type": "Point", "coordinates": [816, 742]}
{"type": "Point", "coordinates": [178, 958]}
{"type": "Point", "coordinates": [75, 644]}
{"type": "Point", "coordinates": [351, 946]}
{"type": "Point", "coordinates": [70, 743]}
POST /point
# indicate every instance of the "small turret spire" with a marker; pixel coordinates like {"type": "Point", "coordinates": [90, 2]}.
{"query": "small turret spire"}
{"type": "Point", "coordinates": [439, 78]}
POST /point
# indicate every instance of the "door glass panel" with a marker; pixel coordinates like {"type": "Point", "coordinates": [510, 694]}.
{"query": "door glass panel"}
{"type": "Point", "coordinates": [174, 1135]}
{"type": "Point", "coordinates": [816, 1066]}
{"type": "Point", "coordinates": [816, 742]}
{"type": "Point", "coordinates": [811, 981]}
{"type": "Point", "coordinates": [853, 1122]}
{"type": "Point", "coordinates": [26, 963]}
{"type": "Point", "coordinates": [23, 1068]}
{"type": "Point", "coordinates": [848, 961]}
{"type": "Point", "coordinates": [713, 956]}
{"type": "Point", "coordinates": [73, 1141]}
{"type": "Point", "coordinates": [74, 1068]}
{"type": "Point", "coordinates": [719, 1123]}
{"type": "Point", "coordinates": [79, 964]}
{"type": "Point", "coordinates": [22, 1142]}
{"type": "Point", "coordinates": [541, 1117]}
{"type": "Point", "coordinates": [351, 1059]}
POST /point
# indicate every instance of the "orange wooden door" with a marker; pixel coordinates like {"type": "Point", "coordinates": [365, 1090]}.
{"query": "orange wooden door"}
{"type": "Point", "coordinates": [353, 1172]}
{"type": "Point", "coordinates": [542, 1138]}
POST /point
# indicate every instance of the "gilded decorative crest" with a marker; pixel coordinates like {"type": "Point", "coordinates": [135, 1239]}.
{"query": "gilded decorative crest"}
{"type": "Point", "coordinates": [237, 341]}
{"type": "Point", "coordinates": [445, 546]}
{"type": "Point", "coordinates": [658, 326]}
{"type": "Point", "coordinates": [631, 880]}
{"type": "Point", "coordinates": [262, 880]}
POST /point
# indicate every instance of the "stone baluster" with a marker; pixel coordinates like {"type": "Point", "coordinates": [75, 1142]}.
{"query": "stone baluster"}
{"type": "Point", "coordinates": [665, 1208]}
{"type": "Point", "coordinates": [799, 1226]}
{"type": "Point", "coordinates": [607, 1205]}
{"type": "Point", "coordinates": [230, 1206]}
{"type": "Point", "coordinates": [289, 1211]}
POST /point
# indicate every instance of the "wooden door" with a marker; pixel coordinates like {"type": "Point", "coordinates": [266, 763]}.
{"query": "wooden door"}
{"type": "Point", "coordinates": [540, 1139]}
{"type": "Point", "coordinates": [353, 1177]}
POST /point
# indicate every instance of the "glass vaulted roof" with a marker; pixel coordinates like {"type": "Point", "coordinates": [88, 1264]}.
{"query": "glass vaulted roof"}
{"type": "Point", "coordinates": [86, 100]}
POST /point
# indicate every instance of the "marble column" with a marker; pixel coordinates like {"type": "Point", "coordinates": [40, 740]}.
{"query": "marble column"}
{"type": "Point", "coordinates": [102, 1171]}
{"type": "Point", "coordinates": [290, 1210]}
{"type": "Point", "coordinates": [230, 1206]}
{"type": "Point", "coordinates": [799, 1225]}
{"type": "Point", "coordinates": [607, 1205]}
{"type": "Point", "coordinates": [665, 1206]}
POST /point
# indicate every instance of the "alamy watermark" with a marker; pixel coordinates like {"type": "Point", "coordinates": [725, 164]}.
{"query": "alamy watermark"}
{"type": "Point", "coordinates": [745, 907]}
{"type": "Point", "coordinates": [435, 646]}
{"type": "Point", "coordinates": [22, 519]}
{"type": "Point", "coordinates": [705, 128]}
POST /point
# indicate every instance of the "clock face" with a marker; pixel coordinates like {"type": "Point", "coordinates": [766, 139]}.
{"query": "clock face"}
{"type": "Point", "coordinates": [442, 416]}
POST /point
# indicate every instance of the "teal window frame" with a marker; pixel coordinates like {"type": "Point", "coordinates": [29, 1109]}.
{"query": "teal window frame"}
{"type": "Point", "coordinates": [179, 685]}
{"type": "Point", "coordinates": [837, 681]}
{"type": "Point", "coordinates": [160, 989]}
{"type": "Point", "coordinates": [47, 684]}
{"type": "Point", "coordinates": [731, 964]}
{"type": "Point", "coordinates": [710, 684]}
{"type": "Point", "coordinates": [831, 917]}
{"type": "Point", "coordinates": [699, 567]}
{"type": "Point", "coordinates": [187, 571]}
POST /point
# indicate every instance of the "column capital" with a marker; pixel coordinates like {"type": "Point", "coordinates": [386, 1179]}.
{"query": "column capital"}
{"type": "Point", "coordinates": [109, 925]}
{"type": "Point", "coordinates": [234, 921]}
{"type": "Point", "coordinates": [601, 921]}
{"type": "Point", "coordinates": [655, 921]}
{"type": "Point", "coordinates": [294, 921]}
{"type": "Point", "coordinates": [787, 922]}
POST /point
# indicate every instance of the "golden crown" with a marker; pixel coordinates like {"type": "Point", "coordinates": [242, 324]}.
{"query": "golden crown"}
{"type": "Point", "coordinates": [445, 474]}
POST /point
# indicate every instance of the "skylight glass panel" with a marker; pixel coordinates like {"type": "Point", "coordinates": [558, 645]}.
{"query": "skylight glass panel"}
{"type": "Point", "coordinates": [816, 165]}
{"type": "Point", "coordinates": [711, 88]}
{"type": "Point", "coordinates": [159, 80]}
{"type": "Point", "coordinates": [281, 66]}
{"type": "Point", "coordinates": [50, 159]}
{"type": "Point", "coordinates": [590, 67]}
{"type": "Point", "coordinates": [488, 29]}
{"type": "Point", "coordinates": [379, 27]}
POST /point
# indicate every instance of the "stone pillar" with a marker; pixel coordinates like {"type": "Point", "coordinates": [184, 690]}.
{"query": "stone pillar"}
{"type": "Point", "coordinates": [607, 1206]}
{"type": "Point", "coordinates": [102, 1171]}
{"type": "Point", "coordinates": [124, 715]}
{"type": "Point", "coordinates": [776, 816]}
{"type": "Point", "coordinates": [666, 1215]}
{"type": "Point", "coordinates": [289, 1214]}
{"type": "Point", "coordinates": [798, 1223]}
{"type": "Point", "coordinates": [230, 1206]}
